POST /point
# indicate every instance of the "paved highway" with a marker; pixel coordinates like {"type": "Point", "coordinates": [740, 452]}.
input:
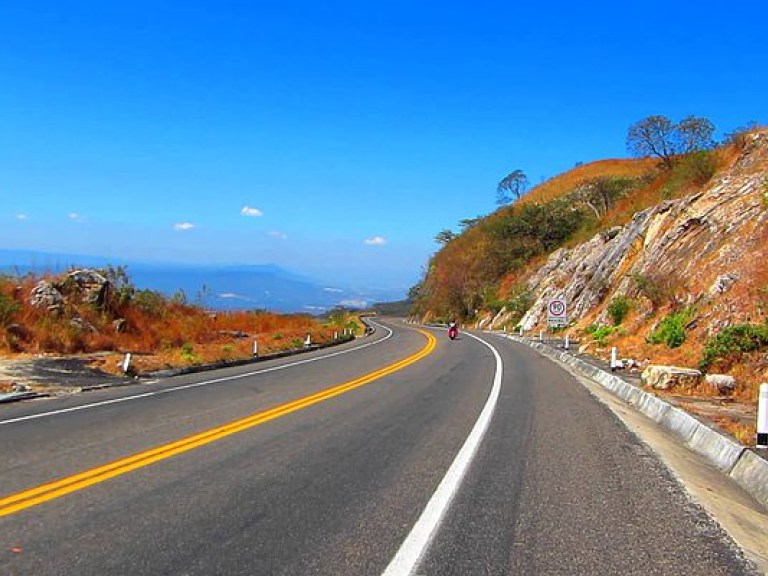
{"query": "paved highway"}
{"type": "Point", "coordinates": [391, 455]}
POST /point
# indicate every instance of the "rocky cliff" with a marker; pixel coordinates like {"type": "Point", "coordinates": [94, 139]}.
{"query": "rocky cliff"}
{"type": "Point", "coordinates": [705, 252]}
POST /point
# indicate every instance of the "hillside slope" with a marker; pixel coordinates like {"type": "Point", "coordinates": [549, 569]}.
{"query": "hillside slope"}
{"type": "Point", "coordinates": [692, 264]}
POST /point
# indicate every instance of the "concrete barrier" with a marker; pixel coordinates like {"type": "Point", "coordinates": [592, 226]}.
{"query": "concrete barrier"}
{"type": "Point", "coordinates": [750, 472]}
{"type": "Point", "coordinates": [717, 448]}
{"type": "Point", "coordinates": [680, 423]}
{"type": "Point", "coordinates": [748, 469]}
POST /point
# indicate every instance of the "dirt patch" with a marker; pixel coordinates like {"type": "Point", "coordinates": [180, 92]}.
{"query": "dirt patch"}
{"type": "Point", "coordinates": [55, 374]}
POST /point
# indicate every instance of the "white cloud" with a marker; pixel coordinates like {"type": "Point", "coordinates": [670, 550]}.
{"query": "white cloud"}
{"type": "Point", "coordinates": [183, 226]}
{"type": "Point", "coordinates": [21, 216]}
{"type": "Point", "coordinates": [354, 303]}
{"type": "Point", "coordinates": [75, 217]}
{"type": "Point", "coordinates": [278, 234]}
{"type": "Point", "coordinates": [248, 211]}
{"type": "Point", "coordinates": [233, 296]}
{"type": "Point", "coordinates": [376, 241]}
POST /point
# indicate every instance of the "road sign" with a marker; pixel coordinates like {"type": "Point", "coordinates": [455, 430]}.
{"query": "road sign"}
{"type": "Point", "coordinates": [557, 312]}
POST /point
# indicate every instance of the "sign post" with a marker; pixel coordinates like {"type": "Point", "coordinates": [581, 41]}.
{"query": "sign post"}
{"type": "Point", "coordinates": [557, 313]}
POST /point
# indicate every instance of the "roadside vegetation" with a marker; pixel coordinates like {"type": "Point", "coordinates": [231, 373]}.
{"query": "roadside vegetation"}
{"type": "Point", "coordinates": [159, 331]}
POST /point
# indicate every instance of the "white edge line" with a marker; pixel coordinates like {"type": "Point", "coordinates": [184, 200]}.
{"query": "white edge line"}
{"type": "Point", "coordinates": [418, 540]}
{"type": "Point", "coordinates": [195, 385]}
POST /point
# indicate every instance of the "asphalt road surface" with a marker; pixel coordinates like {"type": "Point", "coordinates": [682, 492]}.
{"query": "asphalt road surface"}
{"type": "Point", "coordinates": [394, 454]}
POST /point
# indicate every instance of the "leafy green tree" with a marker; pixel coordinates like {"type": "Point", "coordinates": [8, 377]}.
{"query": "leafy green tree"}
{"type": "Point", "coordinates": [661, 137]}
{"type": "Point", "coordinates": [511, 187]}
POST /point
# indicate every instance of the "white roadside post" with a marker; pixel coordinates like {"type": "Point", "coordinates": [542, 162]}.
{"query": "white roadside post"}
{"type": "Point", "coordinates": [762, 417]}
{"type": "Point", "coordinates": [541, 335]}
{"type": "Point", "coordinates": [521, 330]}
{"type": "Point", "coordinates": [336, 335]}
{"type": "Point", "coordinates": [127, 362]}
{"type": "Point", "coordinates": [567, 342]}
{"type": "Point", "coordinates": [255, 347]}
{"type": "Point", "coordinates": [614, 359]}
{"type": "Point", "coordinates": [308, 341]}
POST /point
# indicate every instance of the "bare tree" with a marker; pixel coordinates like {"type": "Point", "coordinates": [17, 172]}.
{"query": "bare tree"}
{"type": "Point", "coordinates": [444, 236]}
{"type": "Point", "coordinates": [511, 187]}
{"type": "Point", "coordinates": [659, 136]}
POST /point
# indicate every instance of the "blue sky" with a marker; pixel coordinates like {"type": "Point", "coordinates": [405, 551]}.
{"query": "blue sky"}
{"type": "Point", "coordinates": [333, 138]}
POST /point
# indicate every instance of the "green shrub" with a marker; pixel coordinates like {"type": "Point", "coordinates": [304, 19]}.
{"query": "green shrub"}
{"type": "Point", "coordinates": [600, 334]}
{"type": "Point", "coordinates": [8, 308]}
{"type": "Point", "coordinates": [518, 302]}
{"type": "Point", "coordinates": [671, 330]}
{"type": "Point", "coordinates": [150, 301]}
{"type": "Point", "coordinates": [694, 169]}
{"type": "Point", "coordinates": [732, 342]}
{"type": "Point", "coordinates": [188, 353]}
{"type": "Point", "coordinates": [618, 309]}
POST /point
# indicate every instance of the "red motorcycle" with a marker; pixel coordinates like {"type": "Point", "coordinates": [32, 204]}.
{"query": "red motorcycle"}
{"type": "Point", "coordinates": [453, 331]}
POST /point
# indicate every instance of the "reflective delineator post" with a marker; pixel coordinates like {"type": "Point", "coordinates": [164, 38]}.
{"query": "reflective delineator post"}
{"type": "Point", "coordinates": [541, 335]}
{"type": "Point", "coordinates": [336, 335]}
{"type": "Point", "coordinates": [127, 362]}
{"type": "Point", "coordinates": [308, 341]}
{"type": "Point", "coordinates": [521, 331]}
{"type": "Point", "coordinates": [762, 417]}
{"type": "Point", "coordinates": [567, 343]}
{"type": "Point", "coordinates": [255, 347]}
{"type": "Point", "coordinates": [614, 358]}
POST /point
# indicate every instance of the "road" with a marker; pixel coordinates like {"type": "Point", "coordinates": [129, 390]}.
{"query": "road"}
{"type": "Point", "coordinates": [348, 461]}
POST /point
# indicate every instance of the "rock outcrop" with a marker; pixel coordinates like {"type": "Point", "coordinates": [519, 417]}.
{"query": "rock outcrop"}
{"type": "Point", "coordinates": [695, 247]}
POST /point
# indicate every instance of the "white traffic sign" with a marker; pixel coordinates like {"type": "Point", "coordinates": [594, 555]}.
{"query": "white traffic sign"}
{"type": "Point", "coordinates": [557, 312]}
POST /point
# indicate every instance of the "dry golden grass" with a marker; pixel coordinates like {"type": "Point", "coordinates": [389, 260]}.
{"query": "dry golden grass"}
{"type": "Point", "coordinates": [165, 334]}
{"type": "Point", "coordinates": [568, 181]}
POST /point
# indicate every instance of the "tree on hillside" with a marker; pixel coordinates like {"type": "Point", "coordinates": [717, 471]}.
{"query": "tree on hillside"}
{"type": "Point", "coordinates": [659, 136]}
{"type": "Point", "coordinates": [600, 194]}
{"type": "Point", "coordinates": [444, 236]}
{"type": "Point", "coordinates": [468, 223]}
{"type": "Point", "coordinates": [511, 187]}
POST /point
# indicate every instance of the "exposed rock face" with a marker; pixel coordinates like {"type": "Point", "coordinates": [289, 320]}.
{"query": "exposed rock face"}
{"type": "Point", "coordinates": [46, 296]}
{"type": "Point", "coordinates": [89, 284]}
{"type": "Point", "coordinates": [686, 242]}
{"type": "Point", "coordinates": [81, 285]}
{"type": "Point", "coordinates": [668, 377]}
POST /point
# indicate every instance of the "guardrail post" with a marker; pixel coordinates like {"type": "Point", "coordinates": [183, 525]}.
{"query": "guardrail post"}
{"type": "Point", "coordinates": [762, 417]}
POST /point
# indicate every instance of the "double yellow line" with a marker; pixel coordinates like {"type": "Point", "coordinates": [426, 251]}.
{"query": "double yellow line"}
{"type": "Point", "coordinates": [45, 492]}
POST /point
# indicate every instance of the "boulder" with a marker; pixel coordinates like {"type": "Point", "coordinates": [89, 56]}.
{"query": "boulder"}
{"type": "Point", "coordinates": [46, 296]}
{"type": "Point", "coordinates": [91, 285]}
{"type": "Point", "coordinates": [724, 383]}
{"type": "Point", "coordinates": [668, 377]}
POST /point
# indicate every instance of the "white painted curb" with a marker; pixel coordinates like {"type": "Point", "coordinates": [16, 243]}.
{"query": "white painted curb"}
{"type": "Point", "coordinates": [749, 470]}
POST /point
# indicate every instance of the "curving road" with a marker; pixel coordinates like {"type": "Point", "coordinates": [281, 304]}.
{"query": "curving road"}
{"type": "Point", "coordinates": [342, 462]}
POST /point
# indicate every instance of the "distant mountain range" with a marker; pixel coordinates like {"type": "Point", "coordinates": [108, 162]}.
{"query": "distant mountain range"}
{"type": "Point", "coordinates": [239, 287]}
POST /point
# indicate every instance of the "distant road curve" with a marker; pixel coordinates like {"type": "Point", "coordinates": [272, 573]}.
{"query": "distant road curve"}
{"type": "Point", "coordinates": [556, 484]}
